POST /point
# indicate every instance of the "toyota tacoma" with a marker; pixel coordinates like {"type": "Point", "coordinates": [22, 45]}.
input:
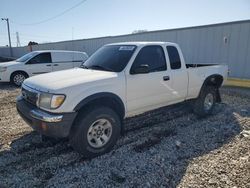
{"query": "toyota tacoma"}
{"type": "Point", "coordinates": [87, 105]}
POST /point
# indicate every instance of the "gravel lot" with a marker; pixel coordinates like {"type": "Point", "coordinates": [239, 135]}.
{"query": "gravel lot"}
{"type": "Point", "coordinates": [169, 147]}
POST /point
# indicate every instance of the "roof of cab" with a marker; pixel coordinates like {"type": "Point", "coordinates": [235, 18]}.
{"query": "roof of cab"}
{"type": "Point", "coordinates": [143, 43]}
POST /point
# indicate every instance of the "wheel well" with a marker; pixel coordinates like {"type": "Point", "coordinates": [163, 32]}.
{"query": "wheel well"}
{"type": "Point", "coordinates": [23, 72]}
{"type": "Point", "coordinates": [213, 80]}
{"type": "Point", "coordinates": [102, 99]}
{"type": "Point", "coordinates": [89, 103]}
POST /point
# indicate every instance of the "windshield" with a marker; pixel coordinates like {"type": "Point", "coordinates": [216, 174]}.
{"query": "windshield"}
{"type": "Point", "coordinates": [112, 58]}
{"type": "Point", "coordinates": [27, 57]}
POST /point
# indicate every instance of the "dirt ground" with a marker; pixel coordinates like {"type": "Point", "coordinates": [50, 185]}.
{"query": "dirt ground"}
{"type": "Point", "coordinates": [169, 147]}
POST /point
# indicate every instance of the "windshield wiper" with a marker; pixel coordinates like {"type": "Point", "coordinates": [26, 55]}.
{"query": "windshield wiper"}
{"type": "Point", "coordinates": [98, 67]}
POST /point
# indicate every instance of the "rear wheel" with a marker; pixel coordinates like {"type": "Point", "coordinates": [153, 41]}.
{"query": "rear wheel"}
{"type": "Point", "coordinates": [205, 103]}
{"type": "Point", "coordinates": [95, 132]}
{"type": "Point", "coordinates": [18, 78]}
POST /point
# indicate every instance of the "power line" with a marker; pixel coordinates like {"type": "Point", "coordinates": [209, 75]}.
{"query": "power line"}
{"type": "Point", "coordinates": [53, 17]}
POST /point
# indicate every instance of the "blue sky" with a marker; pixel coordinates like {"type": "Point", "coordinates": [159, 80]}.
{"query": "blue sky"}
{"type": "Point", "coordinates": [96, 18]}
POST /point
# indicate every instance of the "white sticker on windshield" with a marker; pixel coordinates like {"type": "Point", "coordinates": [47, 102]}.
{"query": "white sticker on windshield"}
{"type": "Point", "coordinates": [129, 48]}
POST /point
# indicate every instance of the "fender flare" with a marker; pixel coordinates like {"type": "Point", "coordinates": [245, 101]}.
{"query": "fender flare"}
{"type": "Point", "coordinates": [215, 83]}
{"type": "Point", "coordinates": [101, 95]}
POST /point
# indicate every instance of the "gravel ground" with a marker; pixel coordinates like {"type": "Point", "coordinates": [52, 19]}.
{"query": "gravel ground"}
{"type": "Point", "coordinates": [169, 147]}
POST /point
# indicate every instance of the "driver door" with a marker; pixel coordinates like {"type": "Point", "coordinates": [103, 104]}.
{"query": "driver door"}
{"type": "Point", "coordinates": [149, 90]}
{"type": "Point", "coordinates": [39, 64]}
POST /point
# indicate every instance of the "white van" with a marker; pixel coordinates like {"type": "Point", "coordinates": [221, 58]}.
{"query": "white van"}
{"type": "Point", "coordinates": [39, 62]}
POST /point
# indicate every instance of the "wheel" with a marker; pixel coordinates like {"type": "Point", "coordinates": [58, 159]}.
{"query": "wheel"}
{"type": "Point", "coordinates": [18, 78]}
{"type": "Point", "coordinates": [205, 103]}
{"type": "Point", "coordinates": [95, 132]}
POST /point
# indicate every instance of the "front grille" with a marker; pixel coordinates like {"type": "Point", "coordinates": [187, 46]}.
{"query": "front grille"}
{"type": "Point", "coordinates": [29, 95]}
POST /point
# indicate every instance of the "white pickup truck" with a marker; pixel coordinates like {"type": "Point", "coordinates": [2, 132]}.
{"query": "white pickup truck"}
{"type": "Point", "coordinates": [88, 104]}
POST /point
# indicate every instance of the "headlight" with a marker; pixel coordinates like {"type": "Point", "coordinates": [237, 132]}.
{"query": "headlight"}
{"type": "Point", "coordinates": [3, 69]}
{"type": "Point", "coordinates": [50, 101]}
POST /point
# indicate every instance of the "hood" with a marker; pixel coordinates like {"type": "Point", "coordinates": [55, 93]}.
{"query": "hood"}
{"type": "Point", "coordinates": [54, 81]}
{"type": "Point", "coordinates": [9, 63]}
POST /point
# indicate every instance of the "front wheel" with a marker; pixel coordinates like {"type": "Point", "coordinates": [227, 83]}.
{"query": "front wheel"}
{"type": "Point", "coordinates": [205, 103]}
{"type": "Point", "coordinates": [18, 78]}
{"type": "Point", "coordinates": [96, 132]}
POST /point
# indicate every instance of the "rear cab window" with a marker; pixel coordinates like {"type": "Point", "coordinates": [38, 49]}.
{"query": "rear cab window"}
{"type": "Point", "coordinates": [174, 57]}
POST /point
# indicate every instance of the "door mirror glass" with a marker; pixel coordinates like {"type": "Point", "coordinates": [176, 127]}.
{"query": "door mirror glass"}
{"type": "Point", "coordinates": [142, 69]}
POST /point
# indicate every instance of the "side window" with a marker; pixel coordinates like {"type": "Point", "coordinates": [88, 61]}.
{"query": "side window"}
{"type": "Point", "coordinates": [153, 56]}
{"type": "Point", "coordinates": [41, 58]}
{"type": "Point", "coordinates": [174, 57]}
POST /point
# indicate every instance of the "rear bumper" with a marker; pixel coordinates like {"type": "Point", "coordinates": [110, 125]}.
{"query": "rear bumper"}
{"type": "Point", "coordinates": [46, 123]}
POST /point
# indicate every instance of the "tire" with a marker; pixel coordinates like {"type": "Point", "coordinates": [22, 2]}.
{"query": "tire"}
{"type": "Point", "coordinates": [18, 78]}
{"type": "Point", "coordinates": [205, 103]}
{"type": "Point", "coordinates": [95, 132]}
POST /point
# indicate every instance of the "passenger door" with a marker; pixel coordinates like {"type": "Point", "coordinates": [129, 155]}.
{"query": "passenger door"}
{"type": "Point", "coordinates": [39, 64]}
{"type": "Point", "coordinates": [179, 74]}
{"type": "Point", "coordinates": [62, 61]}
{"type": "Point", "coordinates": [149, 90]}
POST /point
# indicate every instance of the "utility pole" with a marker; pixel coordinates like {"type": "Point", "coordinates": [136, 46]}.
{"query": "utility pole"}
{"type": "Point", "coordinates": [17, 40]}
{"type": "Point", "coordinates": [8, 26]}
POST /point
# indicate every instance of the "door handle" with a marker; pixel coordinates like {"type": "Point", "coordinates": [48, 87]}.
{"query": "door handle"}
{"type": "Point", "coordinates": [166, 78]}
{"type": "Point", "coordinates": [48, 65]}
{"type": "Point", "coordinates": [55, 65]}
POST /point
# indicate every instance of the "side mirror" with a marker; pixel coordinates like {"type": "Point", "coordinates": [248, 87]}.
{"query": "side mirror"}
{"type": "Point", "coordinates": [142, 69]}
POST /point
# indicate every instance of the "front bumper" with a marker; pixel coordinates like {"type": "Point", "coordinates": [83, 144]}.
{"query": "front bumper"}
{"type": "Point", "coordinates": [46, 123]}
{"type": "Point", "coordinates": [4, 77]}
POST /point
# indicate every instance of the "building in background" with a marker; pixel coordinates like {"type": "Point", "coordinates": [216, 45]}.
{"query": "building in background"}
{"type": "Point", "coordinates": [224, 43]}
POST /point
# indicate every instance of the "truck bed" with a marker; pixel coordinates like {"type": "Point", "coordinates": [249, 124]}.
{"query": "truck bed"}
{"type": "Point", "coordinates": [197, 73]}
{"type": "Point", "coordinates": [199, 65]}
